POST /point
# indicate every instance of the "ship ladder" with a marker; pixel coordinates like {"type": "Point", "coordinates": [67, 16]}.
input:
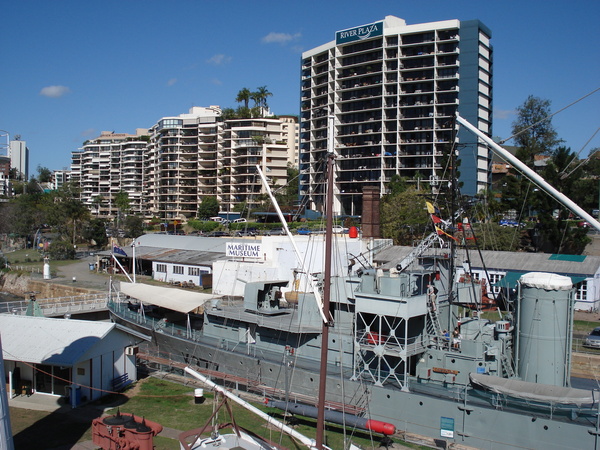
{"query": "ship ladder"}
{"type": "Point", "coordinates": [362, 401]}
{"type": "Point", "coordinates": [507, 366]}
{"type": "Point", "coordinates": [433, 324]}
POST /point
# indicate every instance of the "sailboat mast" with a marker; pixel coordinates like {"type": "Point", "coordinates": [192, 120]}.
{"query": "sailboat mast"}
{"type": "Point", "coordinates": [326, 298]}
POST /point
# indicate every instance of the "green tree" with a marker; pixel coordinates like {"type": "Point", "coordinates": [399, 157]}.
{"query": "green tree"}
{"type": "Point", "coordinates": [66, 212]}
{"type": "Point", "coordinates": [61, 250]}
{"type": "Point", "coordinates": [228, 113]}
{"type": "Point", "coordinates": [95, 233]}
{"type": "Point", "coordinates": [533, 130]}
{"type": "Point", "coordinates": [122, 201]}
{"type": "Point", "coordinates": [243, 96]}
{"type": "Point", "coordinates": [262, 93]}
{"type": "Point", "coordinates": [404, 217]}
{"type": "Point", "coordinates": [134, 226]}
{"type": "Point", "coordinates": [44, 174]}
{"type": "Point", "coordinates": [209, 207]}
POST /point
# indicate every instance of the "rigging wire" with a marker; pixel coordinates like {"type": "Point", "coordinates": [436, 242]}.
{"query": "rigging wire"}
{"type": "Point", "coordinates": [548, 117]}
{"type": "Point", "coordinates": [564, 175]}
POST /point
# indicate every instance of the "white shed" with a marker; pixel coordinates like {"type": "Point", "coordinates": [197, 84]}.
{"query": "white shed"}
{"type": "Point", "coordinates": [64, 357]}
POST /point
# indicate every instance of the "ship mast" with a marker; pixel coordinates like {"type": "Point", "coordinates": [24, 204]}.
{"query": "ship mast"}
{"type": "Point", "coordinates": [326, 298]}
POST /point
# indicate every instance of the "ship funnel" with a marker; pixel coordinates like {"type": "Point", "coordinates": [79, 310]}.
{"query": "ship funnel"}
{"type": "Point", "coordinates": [544, 328]}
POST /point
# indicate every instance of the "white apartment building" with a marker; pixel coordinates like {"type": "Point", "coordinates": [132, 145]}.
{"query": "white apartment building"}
{"type": "Point", "coordinates": [168, 169]}
{"type": "Point", "coordinates": [392, 91]}
{"type": "Point", "coordinates": [19, 158]}
{"type": "Point", "coordinates": [291, 133]}
{"type": "Point", "coordinates": [107, 165]}
{"type": "Point", "coordinates": [181, 163]}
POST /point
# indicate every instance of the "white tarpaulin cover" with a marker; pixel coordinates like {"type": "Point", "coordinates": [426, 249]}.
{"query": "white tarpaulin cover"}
{"type": "Point", "coordinates": [532, 391]}
{"type": "Point", "coordinates": [165, 297]}
{"type": "Point", "coordinates": [547, 281]}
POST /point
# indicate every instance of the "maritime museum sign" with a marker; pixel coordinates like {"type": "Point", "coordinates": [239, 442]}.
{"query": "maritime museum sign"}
{"type": "Point", "coordinates": [359, 33]}
{"type": "Point", "coordinates": [243, 250]}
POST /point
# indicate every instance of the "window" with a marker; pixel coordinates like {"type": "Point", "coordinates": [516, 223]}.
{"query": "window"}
{"type": "Point", "coordinates": [581, 293]}
{"type": "Point", "coordinates": [178, 270]}
{"type": "Point", "coordinates": [194, 271]}
{"type": "Point", "coordinates": [161, 268]}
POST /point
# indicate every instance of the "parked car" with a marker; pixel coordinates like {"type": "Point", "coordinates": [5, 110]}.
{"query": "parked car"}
{"type": "Point", "coordinates": [338, 229]}
{"type": "Point", "coordinates": [240, 220]}
{"type": "Point", "coordinates": [247, 232]}
{"type": "Point", "coordinates": [276, 232]}
{"type": "Point", "coordinates": [508, 223]}
{"type": "Point", "coordinates": [584, 224]}
{"type": "Point", "coordinates": [217, 234]}
{"type": "Point", "coordinates": [303, 230]}
{"type": "Point", "coordinates": [593, 339]}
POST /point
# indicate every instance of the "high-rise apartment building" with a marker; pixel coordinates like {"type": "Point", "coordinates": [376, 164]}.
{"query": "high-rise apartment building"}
{"type": "Point", "coordinates": [110, 164]}
{"type": "Point", "coordinates": [19, 158]}
{"type": "Point", "coordinates": [249, 143]}
{"type": "Point", "coordinates": [168, 169]}
{"type": "Point", "coordinates": [392, 91]}
{"type": "Point", "coordinates": [182, 163]}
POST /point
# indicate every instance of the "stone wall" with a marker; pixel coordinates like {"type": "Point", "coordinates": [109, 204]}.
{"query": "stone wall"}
{"type": "Point", "coordinates": [22, 284]}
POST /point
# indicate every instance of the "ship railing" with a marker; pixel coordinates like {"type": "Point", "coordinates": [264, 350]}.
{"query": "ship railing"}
{"type": "Point", "coordinates": [410, 346]}
{"type": "Point", "coordinates": [156, 324]}
{"type": "Point", "coordinates": [59, 305]}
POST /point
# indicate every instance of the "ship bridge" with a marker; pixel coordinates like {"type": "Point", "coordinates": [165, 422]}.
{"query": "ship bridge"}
{"type": "Point", "coordinates": [395, 321]}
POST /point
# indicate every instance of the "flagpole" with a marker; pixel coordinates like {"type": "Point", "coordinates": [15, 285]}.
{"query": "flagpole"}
{"type": "Point", "coordinates": [133, 246]}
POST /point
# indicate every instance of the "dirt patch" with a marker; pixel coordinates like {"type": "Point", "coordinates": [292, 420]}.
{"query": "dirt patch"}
{"type": "Point", "coordinates": [587, 316]}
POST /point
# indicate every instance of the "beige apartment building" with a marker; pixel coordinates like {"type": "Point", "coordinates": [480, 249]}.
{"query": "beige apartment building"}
{"type": "Point", "coordinates": [169, 168]}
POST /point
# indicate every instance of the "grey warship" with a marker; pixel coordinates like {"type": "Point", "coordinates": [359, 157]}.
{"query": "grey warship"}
{"type": "Point", "coordinates": [392, 356]}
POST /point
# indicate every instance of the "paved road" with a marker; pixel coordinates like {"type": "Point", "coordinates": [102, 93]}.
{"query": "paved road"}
{"type": "Point", "coordinates": [79, 273]}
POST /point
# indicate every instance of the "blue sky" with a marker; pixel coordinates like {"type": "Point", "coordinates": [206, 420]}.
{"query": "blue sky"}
{"type": "Point", "coordinates": [72, 69]}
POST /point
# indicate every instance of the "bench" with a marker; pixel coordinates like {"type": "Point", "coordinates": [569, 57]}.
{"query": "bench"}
{"type": "Point", "coordinates": [121, 382]}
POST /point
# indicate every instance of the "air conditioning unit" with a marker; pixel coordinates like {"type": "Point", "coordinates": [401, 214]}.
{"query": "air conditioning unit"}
{"type": "Point", "coordinates": [132, 350]}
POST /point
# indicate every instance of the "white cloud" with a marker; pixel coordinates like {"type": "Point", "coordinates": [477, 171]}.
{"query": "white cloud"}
{"type": "Point", "coordinates": [502, 114]}
{"type": "Point", "coordinates": [54, 91]}
{"type": "Point", "coordinates": [280, 38]}
{"type": "Point", "coordinates": [219, 59]}
{"type": "Point", "coordinates": [90, 132]}
{"type": "Point", "coordinates": [216, 82]}
{"type": "Point", "coordinates": [172, 81]}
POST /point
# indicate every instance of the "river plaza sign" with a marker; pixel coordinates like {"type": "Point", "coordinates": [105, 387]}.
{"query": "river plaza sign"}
{"type": "Point", "coordinates": [359, 33]}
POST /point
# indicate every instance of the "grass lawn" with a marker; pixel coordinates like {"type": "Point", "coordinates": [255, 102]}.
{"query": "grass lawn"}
{"type": "Point", "coordinates": [172, 405]}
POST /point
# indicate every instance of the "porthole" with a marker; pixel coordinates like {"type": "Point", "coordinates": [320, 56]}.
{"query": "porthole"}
{"type": "Point", "coordinates": [311, 380]}
{"type": "Point", "coordinates": [545, 427]}
{"type": "Point", "coordinates": [420, 403]}
{"type": "Point", "coordinates": [452, 360]}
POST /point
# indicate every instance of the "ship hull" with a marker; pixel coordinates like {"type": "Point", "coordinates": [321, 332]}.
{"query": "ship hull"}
{"type": "Point", "coordinates": [424, 409]}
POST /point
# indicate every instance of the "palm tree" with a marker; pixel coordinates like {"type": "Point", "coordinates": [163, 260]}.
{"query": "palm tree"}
{"type": "Point", "coordinates": [243, 96]}
{"type": "Point", "coordinates": [262, 93]}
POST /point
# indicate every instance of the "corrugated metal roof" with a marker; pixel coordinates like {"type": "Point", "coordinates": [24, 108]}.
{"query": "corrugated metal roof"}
{"type": "Point", "coordinates": [42, 340]}
{"type": "Point", "coordinates": [506, 261]}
